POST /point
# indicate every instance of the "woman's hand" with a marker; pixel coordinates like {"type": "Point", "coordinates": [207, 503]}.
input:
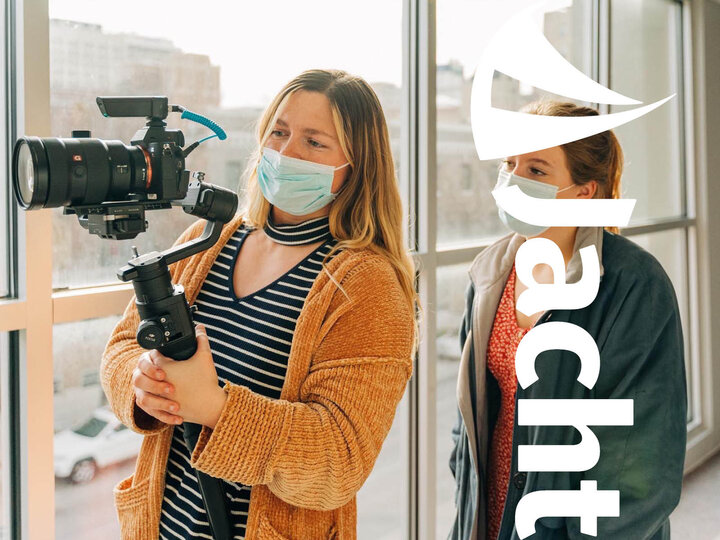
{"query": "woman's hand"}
{"type": "Point", "coordinates": [195, 383]}
{"type": "Point", "coordinates": [152, 392]}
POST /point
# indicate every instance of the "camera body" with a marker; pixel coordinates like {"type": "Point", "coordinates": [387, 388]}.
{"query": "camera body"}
{"type": "Point", "coordinates": [167, 177]}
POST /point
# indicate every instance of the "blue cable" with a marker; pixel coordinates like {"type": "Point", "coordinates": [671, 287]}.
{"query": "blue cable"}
{"type": "Point", "coordinates": [194, 117]}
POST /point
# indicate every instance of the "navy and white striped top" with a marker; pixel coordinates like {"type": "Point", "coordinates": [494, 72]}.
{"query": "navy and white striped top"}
{"type": "Point", "coordinates": [250, 338]}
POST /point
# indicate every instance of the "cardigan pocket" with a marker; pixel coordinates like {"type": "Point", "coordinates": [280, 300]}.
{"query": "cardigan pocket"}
{"type": "Point", "coordinates": [131, 503]}
{"type": "Point", "coordinates": [267, 532]}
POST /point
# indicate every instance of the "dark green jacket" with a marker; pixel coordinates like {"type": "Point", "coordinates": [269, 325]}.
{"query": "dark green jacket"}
{"type": "Point", "coordinates": [635, 322]}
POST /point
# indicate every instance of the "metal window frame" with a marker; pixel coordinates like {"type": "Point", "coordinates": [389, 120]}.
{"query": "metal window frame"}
{"type": "Point", "coordinates": [423, 202]}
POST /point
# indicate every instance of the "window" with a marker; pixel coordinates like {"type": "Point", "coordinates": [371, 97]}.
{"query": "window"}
{"type": "Point", "coordinates": [649, 32]}
{"type": "Point", "coordinates": [451, 284]}
{"type": "Point", "coordinates": [77, 350]}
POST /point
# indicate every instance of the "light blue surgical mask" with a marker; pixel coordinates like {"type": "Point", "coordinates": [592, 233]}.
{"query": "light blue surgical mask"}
{"type": "Point", "coordinates": [533, 188]}
{"type": "Point", "coordinates": [296, 186]}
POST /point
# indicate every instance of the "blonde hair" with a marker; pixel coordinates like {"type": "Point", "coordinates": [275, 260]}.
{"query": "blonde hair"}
{"type": "Point", "coordinates": [598, 157]}
{"type": "Point", "coordinates": [367, 212]}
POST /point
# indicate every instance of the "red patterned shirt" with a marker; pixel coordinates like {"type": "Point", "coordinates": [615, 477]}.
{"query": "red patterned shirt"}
{"type": "Point", "coordinates": [506, 334]}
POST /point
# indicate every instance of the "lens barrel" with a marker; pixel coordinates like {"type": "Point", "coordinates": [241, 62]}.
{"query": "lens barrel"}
{"type": "Point", "coordinates": [53, 172]}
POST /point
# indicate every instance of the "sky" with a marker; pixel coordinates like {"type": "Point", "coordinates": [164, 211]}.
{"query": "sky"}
{"type": "Point", "coordinates": [260, 45]}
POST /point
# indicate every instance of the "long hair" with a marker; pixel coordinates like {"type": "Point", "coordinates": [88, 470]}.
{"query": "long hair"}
{"type": "Point", "coordinates": [367, 212]}
{"type": "Point", "coordinates": [598, 157]}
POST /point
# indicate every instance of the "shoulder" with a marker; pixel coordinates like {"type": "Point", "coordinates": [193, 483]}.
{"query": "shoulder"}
{"type": "Point", "coordinates": [486, 260]}
{"type": "Point", "coordinates": [626, 262]}
{"type": "Point", "coordinates": [368, 283]}
{"type": "Point", "coordinates": [367, 266]}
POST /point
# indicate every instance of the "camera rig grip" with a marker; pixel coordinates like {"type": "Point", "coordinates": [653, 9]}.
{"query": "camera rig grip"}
{"type": "Point", "coordinates": [165, 316]}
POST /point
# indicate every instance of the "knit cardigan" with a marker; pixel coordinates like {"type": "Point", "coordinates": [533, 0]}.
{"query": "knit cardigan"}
{"type": "Point", "coordinates": [308, 453]}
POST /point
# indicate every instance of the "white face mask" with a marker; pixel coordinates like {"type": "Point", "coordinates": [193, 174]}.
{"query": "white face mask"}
{"type": "Point", "coordinates": [296, 186]}
{"type": "Point", "coordinates": [533, 188]}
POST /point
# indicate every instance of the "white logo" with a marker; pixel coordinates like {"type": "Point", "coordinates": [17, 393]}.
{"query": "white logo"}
{"type": "Point", "coordinates": [512, 42]}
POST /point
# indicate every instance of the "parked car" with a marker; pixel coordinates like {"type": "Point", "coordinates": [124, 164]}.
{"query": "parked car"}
{"type": "Point", "coordinates": [99, 442]}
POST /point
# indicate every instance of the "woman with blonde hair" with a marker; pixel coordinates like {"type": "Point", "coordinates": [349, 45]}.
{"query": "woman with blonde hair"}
{"type": "Point", "coordinates": [306, 338]}
{"type": "Point", "coordinates": [635, 322]}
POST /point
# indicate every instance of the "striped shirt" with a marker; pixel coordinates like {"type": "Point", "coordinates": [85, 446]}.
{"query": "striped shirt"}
{"type": "Point", "coordinates": [250, 338]}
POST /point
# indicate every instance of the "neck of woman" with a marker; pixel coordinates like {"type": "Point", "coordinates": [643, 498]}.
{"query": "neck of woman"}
{"type": "Point", "coordinates": [280, 217]}
{"type": "Point", "coordinates": [564, 238]}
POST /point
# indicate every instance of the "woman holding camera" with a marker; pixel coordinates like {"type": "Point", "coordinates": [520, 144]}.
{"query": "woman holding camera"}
{"type": "Point", "coordinates": [306, 338]}
{"type": "Point", "coordinates": [635, 322]}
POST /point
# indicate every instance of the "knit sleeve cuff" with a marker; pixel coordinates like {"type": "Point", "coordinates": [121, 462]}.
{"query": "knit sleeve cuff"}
{"type": "Point", "coordinates": [240, 446]}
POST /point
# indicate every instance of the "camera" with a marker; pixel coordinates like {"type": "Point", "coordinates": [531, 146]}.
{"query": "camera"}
{"type": "Point", "coordinates": [109, 185]}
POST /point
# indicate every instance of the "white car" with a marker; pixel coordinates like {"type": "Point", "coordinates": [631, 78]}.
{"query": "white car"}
{"type": "Point", "coordinates": [101, 441]}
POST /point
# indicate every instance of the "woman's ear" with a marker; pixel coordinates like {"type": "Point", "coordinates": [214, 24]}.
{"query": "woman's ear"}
{"type": "Point", "coordinates": [588, 190]}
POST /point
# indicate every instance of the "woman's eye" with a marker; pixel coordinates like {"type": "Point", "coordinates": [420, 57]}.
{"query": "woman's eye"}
{"type": "Point", "coordinates": [276, 132]}
{"type": "Point", "coordinates": [537, 172]}
{"type": "Point", "coordinates": [314, 143]}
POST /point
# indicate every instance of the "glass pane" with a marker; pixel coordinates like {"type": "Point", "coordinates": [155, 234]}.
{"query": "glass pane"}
{"type": "Point", "coordinates": [89, 457]}
{"type": "Point", "coordinates": [193, 59]}
{"type": "Point", "coordinates": [647, 33]}
{"type": "Point", "coordinates": [451, 284]}
{"type": "Point", "coordinates": [670, 248]}
{"type": "Point", "coordinates": [383, 500]}
{"type": "Point", "coordinates": [4, 248]}
{"type": "Point", "coordinates": [5, 520]}
{"type": "Point", "coordinates": [465, 209]}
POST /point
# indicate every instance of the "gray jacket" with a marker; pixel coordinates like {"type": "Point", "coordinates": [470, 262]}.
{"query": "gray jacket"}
{"type": "Point", "coordinates": [635, 322]}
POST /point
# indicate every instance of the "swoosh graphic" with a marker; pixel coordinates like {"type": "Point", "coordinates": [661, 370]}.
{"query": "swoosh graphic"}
{"type": "Point", "coordinates": [517, 47]}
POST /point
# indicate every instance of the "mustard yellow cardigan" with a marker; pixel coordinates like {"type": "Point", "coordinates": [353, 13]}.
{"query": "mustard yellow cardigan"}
{"type": "Point", "coordinates": [308, 453]}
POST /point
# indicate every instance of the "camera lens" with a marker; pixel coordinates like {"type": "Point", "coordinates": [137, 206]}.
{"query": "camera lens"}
{"type": "Point", "coordinates": [29, 173]}
{"type": "Point", "coordinates": [52, 172]}
{"type": "Point", "coordinates": [26, 173]}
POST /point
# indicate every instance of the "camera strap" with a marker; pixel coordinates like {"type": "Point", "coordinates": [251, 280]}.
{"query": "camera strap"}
{"type": "Point", "coordinates": [211, 489]}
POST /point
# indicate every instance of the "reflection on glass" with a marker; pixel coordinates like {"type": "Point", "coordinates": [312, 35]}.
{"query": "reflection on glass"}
{"type": "Point", "coordinates": [90, 457]}
{"type": "Point", "coordinates": [465, 209]}
{"type": "Point", "coordinates": [383, 499]}
{"type": "Point", "coordinates": [647, 33]}
{"type": "Point", "coordinates": [451, 284]}
{"type": "Point", "coordinates": [671, 250]}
